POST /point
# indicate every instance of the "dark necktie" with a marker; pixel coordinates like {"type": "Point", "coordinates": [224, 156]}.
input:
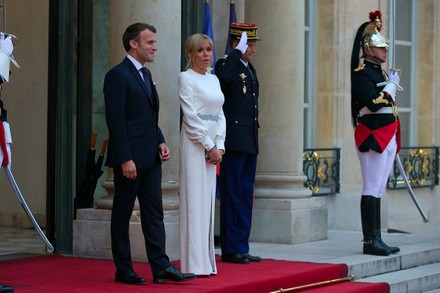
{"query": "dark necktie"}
{"type": "Point", "coordinates": [250, 71]}
{"type": "Point", "coordinates": [147, 81]}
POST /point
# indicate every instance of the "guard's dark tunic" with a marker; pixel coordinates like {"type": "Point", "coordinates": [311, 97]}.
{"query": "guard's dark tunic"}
{"type": "Point", "coordinates": [374, 129]}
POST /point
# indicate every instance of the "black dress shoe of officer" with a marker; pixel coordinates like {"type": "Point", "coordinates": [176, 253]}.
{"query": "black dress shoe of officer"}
{"type": "Point", "coordinates": [251, 258]}
{"type": "Point", "coordinates": [6, 289]}
{"type": "Point", "coordinates": [235, 258]}
{"type": "Point", "coordinates": [172, 274]}
{"type": "Point", "coordinates": [129, 277]}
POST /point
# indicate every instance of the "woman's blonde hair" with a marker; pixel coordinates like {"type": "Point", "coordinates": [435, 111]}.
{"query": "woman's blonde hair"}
{"type": "Point", "coordinates": [192, 44]}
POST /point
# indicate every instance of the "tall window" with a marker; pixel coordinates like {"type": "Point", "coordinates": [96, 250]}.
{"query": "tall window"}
{"type": "Point", "coordinates": [308, 71]}
{"type": "Point", "coordinates": [402, 55]}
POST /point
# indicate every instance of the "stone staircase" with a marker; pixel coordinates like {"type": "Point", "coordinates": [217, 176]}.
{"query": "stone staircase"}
{"type": "Point", "coordinates": [415, 269]}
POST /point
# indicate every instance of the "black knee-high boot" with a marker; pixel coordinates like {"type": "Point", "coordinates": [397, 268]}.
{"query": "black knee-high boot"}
{"type": "Point", "coordinates": [393, 249]}
{"type": "Point", "coordinates": [369, 218]}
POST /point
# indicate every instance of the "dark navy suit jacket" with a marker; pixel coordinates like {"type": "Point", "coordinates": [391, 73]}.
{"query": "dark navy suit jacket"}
{"type": "Point", "coordinates": [132, 117]}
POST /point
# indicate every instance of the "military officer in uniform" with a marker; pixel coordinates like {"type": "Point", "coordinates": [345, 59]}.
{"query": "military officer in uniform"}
{"type": "Point", "coordinates": [239, 83]}
{"type": "Point", "coordinates": [377, 127]}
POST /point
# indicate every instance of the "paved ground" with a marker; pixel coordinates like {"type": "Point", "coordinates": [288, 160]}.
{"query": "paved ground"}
{"type": "Point", "coordinates": [346, 246]}
{"type": "Point", "coordinates": [15, 241]}
{"type": "Point", "coordinates": [340, 245]}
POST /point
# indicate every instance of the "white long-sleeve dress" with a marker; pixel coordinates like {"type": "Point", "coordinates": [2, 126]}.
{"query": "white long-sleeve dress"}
{"type": "Point", "coordinates": [203, 127]}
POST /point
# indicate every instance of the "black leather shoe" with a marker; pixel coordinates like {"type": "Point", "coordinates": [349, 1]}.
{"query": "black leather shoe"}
{"type": "Point", "coordinates": [6, 289]}
{"type": "Point", "coordinates": [172, 274]}
{"type": "Point", "coordinates": [235, 258]}
{"type": "Point", "coordinates": [129, 277]}
{"type": "Point", "coordinates": [251, 258]}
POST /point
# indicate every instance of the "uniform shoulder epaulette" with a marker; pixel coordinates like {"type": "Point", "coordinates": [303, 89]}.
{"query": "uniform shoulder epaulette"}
{"type": "Point", "coordinates": [220, 61]}
{"type": "Point", "coordinates": [360, 67]}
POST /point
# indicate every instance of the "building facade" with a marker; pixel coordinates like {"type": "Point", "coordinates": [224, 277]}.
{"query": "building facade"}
{"type": "Point", "coordinates": [55, 102]}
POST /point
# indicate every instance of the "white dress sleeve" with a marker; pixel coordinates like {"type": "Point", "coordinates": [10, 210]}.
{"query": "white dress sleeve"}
{"type": "Point", "coordinates": [195, 127]}
{"type": "Point", "coordinates": [221, 126]}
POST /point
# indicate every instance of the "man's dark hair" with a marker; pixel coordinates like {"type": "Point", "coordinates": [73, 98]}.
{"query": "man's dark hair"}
{"type": "Point", "coordinates": [132, 33]}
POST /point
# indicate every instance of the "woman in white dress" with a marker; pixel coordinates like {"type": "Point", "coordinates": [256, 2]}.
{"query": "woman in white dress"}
{"type": "Point", "coordinates": [202, 140]}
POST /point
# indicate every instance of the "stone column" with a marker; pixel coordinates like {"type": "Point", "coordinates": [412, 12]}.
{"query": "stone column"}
{"type": "Point", "coordinates": [92, 227]}
{"type": "Point", "coordinates": [284, 211]}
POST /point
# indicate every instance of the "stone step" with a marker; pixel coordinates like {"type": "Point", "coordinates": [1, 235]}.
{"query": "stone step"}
{"type": "Point", "coordinates": [411, 280]}
{"type": "Point", "coordinates": [419, 251]}
{"type": "Point", "coordinates": [433, 291]}
{"type": "Point", "coordinates": [410, 256]}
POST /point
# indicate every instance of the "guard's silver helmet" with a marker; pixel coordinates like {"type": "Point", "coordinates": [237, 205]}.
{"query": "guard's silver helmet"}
{"type": "Point", "coordinates": [371, 36]}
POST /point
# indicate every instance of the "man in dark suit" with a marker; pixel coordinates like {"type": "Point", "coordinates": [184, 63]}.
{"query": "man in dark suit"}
{"type": "Point", "coordinates": [240, 87]}
{"type": "Point", "coordinates": [136, 149]}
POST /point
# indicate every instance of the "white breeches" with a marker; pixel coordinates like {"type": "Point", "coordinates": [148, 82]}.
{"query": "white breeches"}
{"type": "Point", "coordinates": [376, 169]}
{"type": "Point", "coordinates": [8, 139]}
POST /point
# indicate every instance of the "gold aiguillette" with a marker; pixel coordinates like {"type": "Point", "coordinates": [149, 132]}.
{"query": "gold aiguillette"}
{"type": "Point", "coordinates": [243, 77]}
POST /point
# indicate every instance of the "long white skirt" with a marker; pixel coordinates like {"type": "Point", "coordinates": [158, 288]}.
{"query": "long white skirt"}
{"type": "Point", "coordinates": [197, 181]}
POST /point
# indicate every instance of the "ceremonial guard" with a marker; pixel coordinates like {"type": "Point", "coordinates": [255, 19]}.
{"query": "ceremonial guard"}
{"type": "Point", "coordinates": [377, 127]}
{"type": "Point", "coordinates": [6, 48]}
{"type": "Point", "coordinates": [239, 83]}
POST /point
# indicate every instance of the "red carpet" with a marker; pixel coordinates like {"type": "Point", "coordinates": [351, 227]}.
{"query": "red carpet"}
{"type": "Point", "coordinates": [56, 273]}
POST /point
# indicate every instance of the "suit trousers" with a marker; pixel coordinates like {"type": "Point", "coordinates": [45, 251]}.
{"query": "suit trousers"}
{"type": "Point", "coordinates": [237, 177]}
{"type": "Point", "coordinates": [147, 187]}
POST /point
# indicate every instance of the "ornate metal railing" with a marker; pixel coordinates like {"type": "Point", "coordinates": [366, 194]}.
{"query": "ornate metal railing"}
{"type": "Point", "coordinates": [421, 165]}
{"type": "Point", "coordinates": [321, 166]}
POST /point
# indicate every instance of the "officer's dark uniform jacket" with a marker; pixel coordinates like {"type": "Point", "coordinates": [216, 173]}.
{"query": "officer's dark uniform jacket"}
{"type": "Point", "coordinates": [374, 129]}
{"type": "Point", "coordinates": [241, 89]}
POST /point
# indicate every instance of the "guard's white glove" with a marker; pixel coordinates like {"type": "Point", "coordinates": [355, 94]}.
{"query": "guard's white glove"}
{"type": "Point", "coordinates": [242, 45]}
{"type": "Point", "coordinates": [8, 135]}
{"type": "Point", "coordinates": [394, 77]}
{"type": "Point", "coordinates": [6, 49]}
{"type": "Point", "coordinates": [391, 88]}
{"type": "Point", "coordinates": [6, 45]}
{"type": "Point", "coordinates": [392, 84]}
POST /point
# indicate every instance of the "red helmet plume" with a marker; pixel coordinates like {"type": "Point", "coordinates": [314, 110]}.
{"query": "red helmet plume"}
{"type": "Point", "coordinates": [376, 16]}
